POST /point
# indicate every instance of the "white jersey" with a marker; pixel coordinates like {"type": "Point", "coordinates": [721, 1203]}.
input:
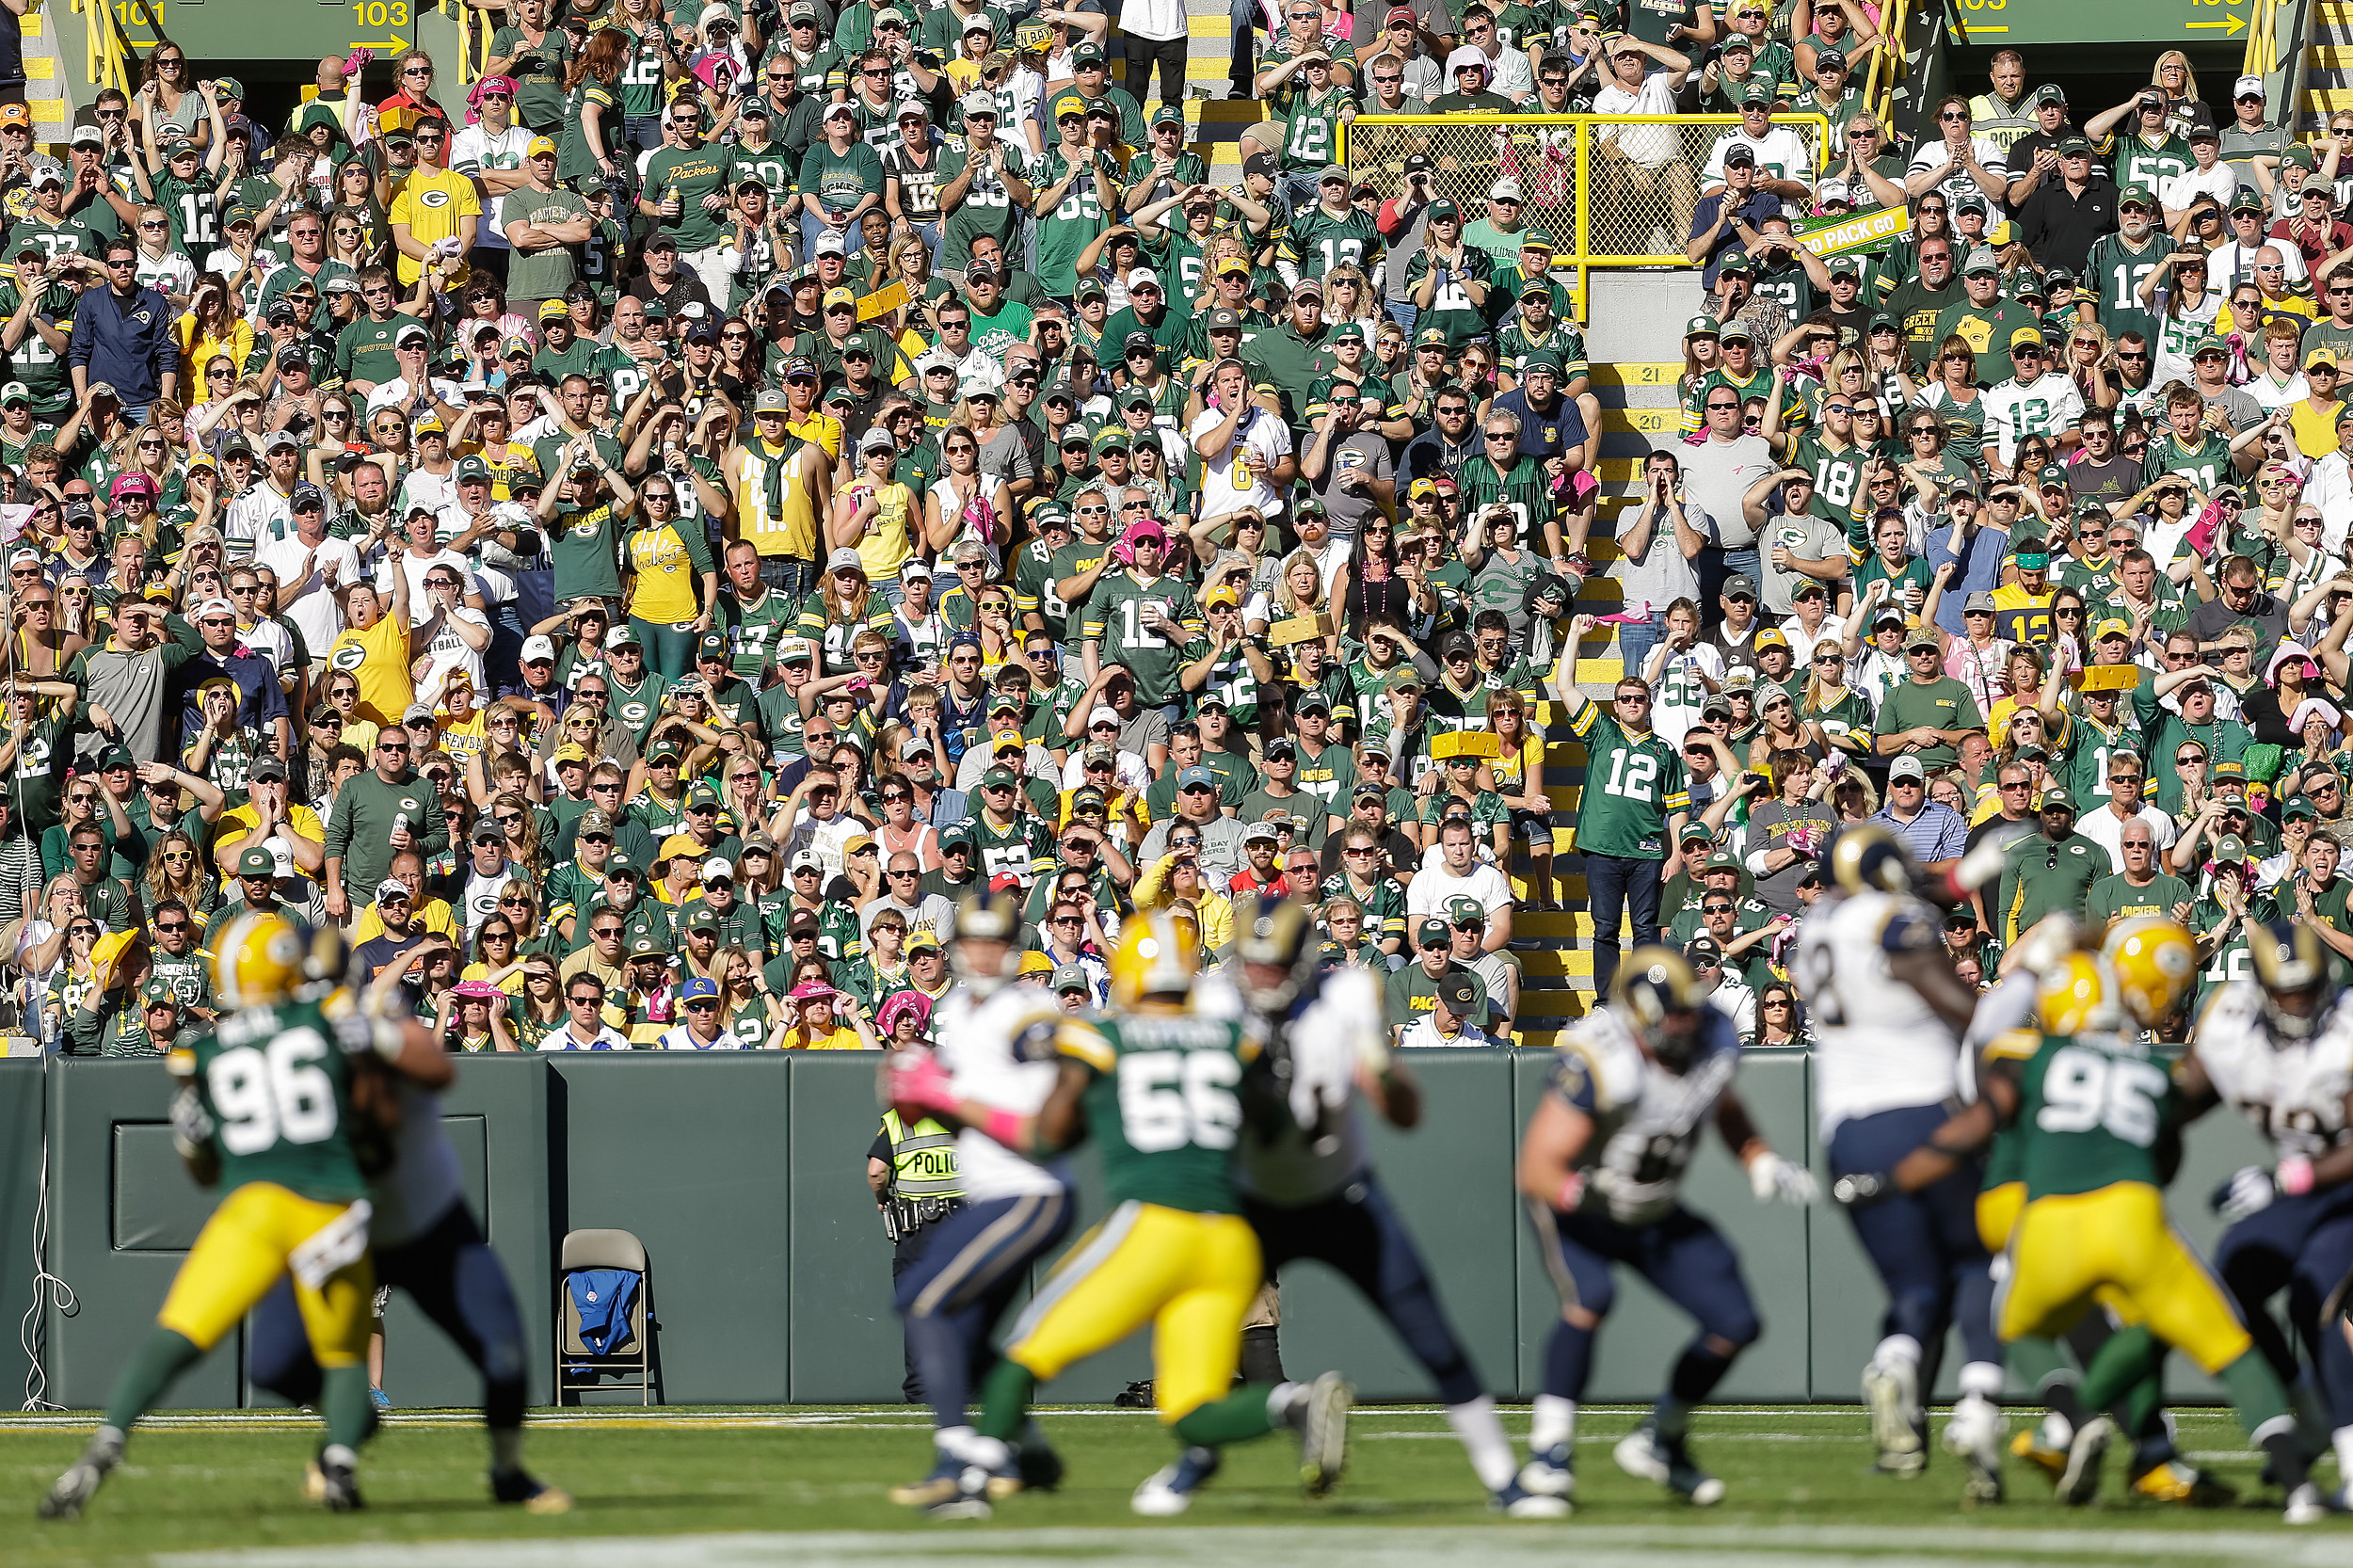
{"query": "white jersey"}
{"type": "Point", "coordinates": [1881, 1046]}
{"type": "Point", "coordinates": [2291, 1090]}
{"type": "Point", "coordinates": [2009, 1005]}
{"type": "Point", "coordinates": [426, 1179]}
{"type": "Point", "coordinates": [1324, 1150]}
{"type": "Point", "coordinates": [989, 1051]}
{"type": "Point", "coordinates": [1646, 1120]}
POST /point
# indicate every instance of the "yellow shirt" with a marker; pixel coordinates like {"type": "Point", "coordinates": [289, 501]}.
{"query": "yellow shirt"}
{"type": "Point", "coordinates": [889, 537]}
{"type": "Point", "coordinates": [379, 660]}
{"type": "Point", "coordinates": [512, 984]}
{"type": "Point", "coordinates": [462, 738]}
{"type": "Point", "coordinates": [840, 1039]}
{"type": "Point", "coordinates": [239, 821]}
{"type": "Point", "coordinates": [2315, 433]}
{"type": "Point", "coordinates": [433, 915]}
{"type": "Point", "coordinates": [818, 429]}
{"type": "Point", "coordinates": [664, 594]}
{"type": "Point", "coordinates": [237, 342]}
{"type": "Point", "coordinates": [433, 203]}
{"type": "Point", "coordinates": [791, 532]}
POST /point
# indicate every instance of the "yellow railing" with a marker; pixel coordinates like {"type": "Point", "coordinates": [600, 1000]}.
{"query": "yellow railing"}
{"type": "Point", "coordinates": [106, 62]}
{"type": "Point", "coordinates": [472, 34]}
{"type": "Point", "coordinates": [1887, 66]}
{"type": "Point", "coordinates": [1611, 190]}
{"type": "Point", "coordinates": [2262, 42]}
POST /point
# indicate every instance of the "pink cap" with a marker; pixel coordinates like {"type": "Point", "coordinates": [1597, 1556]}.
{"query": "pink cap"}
{"type": "Point", "coordinates": [130, 484]}
{"type": "Point", "coordinates": [811, 990]}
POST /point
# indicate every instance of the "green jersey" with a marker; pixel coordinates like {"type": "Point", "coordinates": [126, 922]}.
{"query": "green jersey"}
{"type": "Point", "coordinates": [66, 237]}
{"type": "Point", "coordinates": [755, 626]}
{"type": "Point", "coordinates": [195, 213]}
{"type": "Point", "coordinates": [692, 174]}
{"type": "Point", "coordinates": [2230, 960]}
{"type": "Point", "coordinates": [587, 556]}
{"type": "Point", "coordinates": [1318, 242]}
{"type": "Point", "coordinates": [1633, 784]}
{"type": "Point", "coordinates": [1523, 489]}
{"type": "Point", "coordinates": [2205, 465]}
{"type": "Point", "coordinates": [1163, 1105]}
{"type": "Point", "coordinates": [279, 1087]}
{"type": "Point", "coordinates": [1153, 641]}
{"type": "Point", "coordinates": [33, 361]}
{"type": "Point", "coordinates": [1022, 851]}
{"type": "Point", "coordinates": [987, 206]}
{"type": "Point", "coordinates": [1064, 230]}
{"type": "Point", "coordinates": [1450, 308]}
{"type": "Point", "coordinates": [577, 157]}
{"type": "Point", "coordinates": [2114, 270]}
{"type": "Point", "coordinates": [642, 75]}
{"type": "Point", "coordinates": [2092, 1107]}
{"type": "Point", "coordinates": [1311, 127]}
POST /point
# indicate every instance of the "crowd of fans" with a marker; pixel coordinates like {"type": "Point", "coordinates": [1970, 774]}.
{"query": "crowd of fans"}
{"type": "Point", "coordinates": [634, 541]}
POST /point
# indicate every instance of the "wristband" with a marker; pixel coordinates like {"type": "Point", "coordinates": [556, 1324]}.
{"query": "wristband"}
{"type": "Point", "coordinates": [1005, 1127]}
{"type": "Point", "coordinates": [1571, 1193]}
{"type": "Point", "coordinates": [2295, 1175]}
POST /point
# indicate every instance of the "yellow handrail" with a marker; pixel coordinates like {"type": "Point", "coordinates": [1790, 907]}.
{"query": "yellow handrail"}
{"type": "Point", "coordinates": [2263, 39]}
{"type": "Point", "coordinates": [468, 26]}
{"type": "Point", "coordinates": [103, 63]}
{"type": "Point", "coordinates": [1879, 86]}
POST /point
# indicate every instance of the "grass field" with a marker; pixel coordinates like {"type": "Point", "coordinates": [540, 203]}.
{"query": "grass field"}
{"type": "Point", "coordinates": [706, 1488]}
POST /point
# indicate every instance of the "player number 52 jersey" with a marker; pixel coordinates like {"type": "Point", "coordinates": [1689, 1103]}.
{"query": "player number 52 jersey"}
{"type": "Point", "coordinates": [278, 1086]}
{"type": "Point", "coordinates": [1165, 1106]}
{"type": "Point", "coordinates": [2292, 1091]}
{"type": "Point", "coordinates": [1646, 1120]}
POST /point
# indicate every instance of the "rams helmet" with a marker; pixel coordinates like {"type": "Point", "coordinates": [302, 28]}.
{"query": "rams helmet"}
{"type": "Point", "coordinates": [1661, 999]}
{"type": "Point", "coordinates": [2293, 968]}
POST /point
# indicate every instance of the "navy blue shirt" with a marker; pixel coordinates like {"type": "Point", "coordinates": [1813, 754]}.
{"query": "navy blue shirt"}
{"type": "Point", "coordinates": [1759, 207]}
{"type": "Point", "coordinates": [1547, 434]}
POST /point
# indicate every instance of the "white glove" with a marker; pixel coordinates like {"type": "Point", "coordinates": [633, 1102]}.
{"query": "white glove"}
{"type": "Point", "coordinates": [2250, 1191]}
{"type": "Point", "coordinates": [1980, 866]}
{"type": "Point", "coordinates": [1771, 1176]}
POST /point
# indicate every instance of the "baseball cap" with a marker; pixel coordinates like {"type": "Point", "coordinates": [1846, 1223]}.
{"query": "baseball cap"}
{"type": "Point", "coordinates": [1460, 993]}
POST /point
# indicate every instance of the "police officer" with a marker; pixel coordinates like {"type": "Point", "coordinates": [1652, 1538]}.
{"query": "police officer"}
{"type": "Point", "coordinates": [912, 1169]}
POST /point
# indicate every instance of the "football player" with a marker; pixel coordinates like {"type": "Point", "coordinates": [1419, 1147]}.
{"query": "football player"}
{"type": "Point", "coordinates": [266, 1112]}
{"type": "Point", "coordinates": [1601, 1168]}
{"type": "Point", "coordinates": [1307, 1183]}
{"type": "Point", "coordinates": [2096, 1113]}
{"type": "Point", "coordinates": [424, 1239]}
{"type": "Point", "coordinates": [996, 1048]}
{"type": "Point", "coordinates": [2277, 1046]}
{"type": "Point", "coordinates": [1160, 1087]}
{"type": "Point", "coordinates": [1888, 1014]}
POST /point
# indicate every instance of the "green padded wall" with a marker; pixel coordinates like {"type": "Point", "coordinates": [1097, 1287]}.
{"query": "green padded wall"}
{"type": "Point", "coordinates": [693, 1156]}
{"type": "Point", "coordinates": [845, 1340]}
{"type": "Point", "coordinates": [121, 1213]}
{"type": "Point", "coordinates": [21, 1097]}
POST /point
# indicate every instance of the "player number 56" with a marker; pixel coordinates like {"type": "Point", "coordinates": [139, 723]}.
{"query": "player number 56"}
{"type": "Point", "coordinates": [1170, 1098]}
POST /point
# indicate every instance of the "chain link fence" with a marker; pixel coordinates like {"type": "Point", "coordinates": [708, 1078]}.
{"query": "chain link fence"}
{"type": "Point", "coordinates": [1638, 180]}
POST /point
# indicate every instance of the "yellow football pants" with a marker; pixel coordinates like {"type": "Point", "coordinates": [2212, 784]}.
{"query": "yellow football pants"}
{"type": "Point", "coordinates": [2066, 1249]}
{"type": "Point", "coordinates": [1191, 1277]}
{"type": "Point", "coordinates": [1998, 1209]}
{"type": "Point", "coordinates": [250, 1240]}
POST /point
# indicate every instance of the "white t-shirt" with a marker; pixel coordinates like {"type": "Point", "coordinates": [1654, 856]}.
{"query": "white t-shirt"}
{"type": "Point", "coordinates": [170, 273]}
{"type": "Point", "coordinates": [1434, 886]}
{"type": "Point", "coordinates": [2221, 182]}
{"type": "Point", "coordinates": [478, 148]}
{"type": "Point", "coordinates": [1680, 693]}
{"type": "Point", "coordinates": [1262, 441]}
{"type": "Point", "coordinates": [449, 652]}
{"type": "Point", "coordinates": [1648, 145]}
{"type": "Point", "coordinates": [315, 611]}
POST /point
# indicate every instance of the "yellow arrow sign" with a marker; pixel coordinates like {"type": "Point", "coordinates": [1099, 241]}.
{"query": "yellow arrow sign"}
{"type": "Point", "coordinates": [2230, 24]}
{"type": "Point", "coordinates": [381, 46]}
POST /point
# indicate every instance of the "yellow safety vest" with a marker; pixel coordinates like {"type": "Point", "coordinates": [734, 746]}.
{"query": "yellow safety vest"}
{"type": "Point", "coordinates": [922, 1160]}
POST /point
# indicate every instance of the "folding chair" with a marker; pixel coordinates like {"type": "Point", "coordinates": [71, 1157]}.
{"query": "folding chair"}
{"type": "Point", "coordinates": [579, 1367]}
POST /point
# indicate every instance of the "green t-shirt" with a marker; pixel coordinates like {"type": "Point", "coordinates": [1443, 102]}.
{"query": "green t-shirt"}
{"type": "Point", "coordinates": [575, 157]}
{"type": "Point", "coordinates": [1064, 230]}
{"type": "Point", "coordinates": [279, 1087]}
{"type": "Point", "coordinates": [2112, 898]}
{"type": "Point", "coordinates": [1632, 787]}
{"type": "Point", "coordinates": [1941, 704]}
{"type": "Point", "coordinates": [363, 350]}
{"type": "Point", "coordinates": [586, 547]}
{"type": "Point", "coordinates": [1164, 1106]}
{"type": "Point", "coordinates": [538, 72]}
{"type": "Point", "coordinates": [541, 274]}
{"type": "Point", "coordinates": [692, 174]}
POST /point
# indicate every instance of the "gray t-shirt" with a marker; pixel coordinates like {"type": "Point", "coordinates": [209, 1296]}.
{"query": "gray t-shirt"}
{"type": "Point", "coordinates": [1369, 455]}
{"type": "Point", "coordinates": [541, 274]}
{"type": "Point", "coordinates": [1663, 573]}
{"type": "Point", "coordinates": [1716, 474]}
{"type": "Point", "coordinates": [1805, 535]}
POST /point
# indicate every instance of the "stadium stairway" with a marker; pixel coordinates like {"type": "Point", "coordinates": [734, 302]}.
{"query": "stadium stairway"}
{"type": "Point", "coordinates": [2328, 65]}
{"type": "Point", "coordinates": [1216, 120]}
{"type": "Point", "coordinates": [46, 87]}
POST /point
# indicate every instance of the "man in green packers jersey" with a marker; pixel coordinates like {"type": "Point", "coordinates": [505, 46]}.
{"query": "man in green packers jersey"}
{"type": "Point", "coordinates": [1072, 192]}
{"type": "Point", "coordinates": [266, 1112]}
{"type": "Point", "coordinates": [37, 297]}
{"type": "Point", "coordinates": [1332, 234]}
{"type": "Point", "coordinates": [757, 618]}
{"type": "Point", "coordinates": [1633, 807]}
{"type": "Point", "coordinates": [1161, 1091]}
{"type": "Point", "coordinates": [1501, 476]}
{"type": "Point", "coordinates": [1140, 619]}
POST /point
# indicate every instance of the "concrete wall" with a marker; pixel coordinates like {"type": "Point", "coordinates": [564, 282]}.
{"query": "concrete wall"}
{"type": "Point", "coordinates": [745, 1176]}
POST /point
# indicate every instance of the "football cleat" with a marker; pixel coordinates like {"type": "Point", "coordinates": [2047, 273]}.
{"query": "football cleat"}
{"type": "Point", "coordinates": [2028, 1445]}
{"type": "Point", "coordinates": [1169, 1491]}
{"type": "Point", "coordinates": [1892, 1395]}
{"type": "Point", "coordinates": [72, 1492]}
{"type": "Point", "coordinates": [2308, 1504]}
{"type": "Point", "coordinates": [1040, 1466]}
{"type": "Point", "coordinates": [1321, 1417]}
{"type": "Point", "coordinates": [1551, 1473]}
{"type": "Point", "coordinates": [1974, 1435]}
{"type": "Point", "coordinates": [536, 1496]}
{"type": "Point", "coordinates": [1515, 1501]}
{"type": "Point", "coordinates": [937, 1487]}
{"type": "Point", "coordinates": [339, 1475]}
{"type": "Point", "coordinates": [970, 1499]}
{"type": "Point", "coordinates": [2080, 1481]}
{"type": "Point", "coordinates": [2171, 1480]}
{"type": "Point", "coordinates": [1647, 1456]}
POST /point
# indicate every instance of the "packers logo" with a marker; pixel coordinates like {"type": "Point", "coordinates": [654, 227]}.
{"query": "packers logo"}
{"type": "Point", "coordinates": [636, 712]}
{"type": "Point", "coordinates": [432, 198]}
{"type": "Point", "coordinates": [407, 804]}
{"type": "Point", "coordinates": [347, 657]}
